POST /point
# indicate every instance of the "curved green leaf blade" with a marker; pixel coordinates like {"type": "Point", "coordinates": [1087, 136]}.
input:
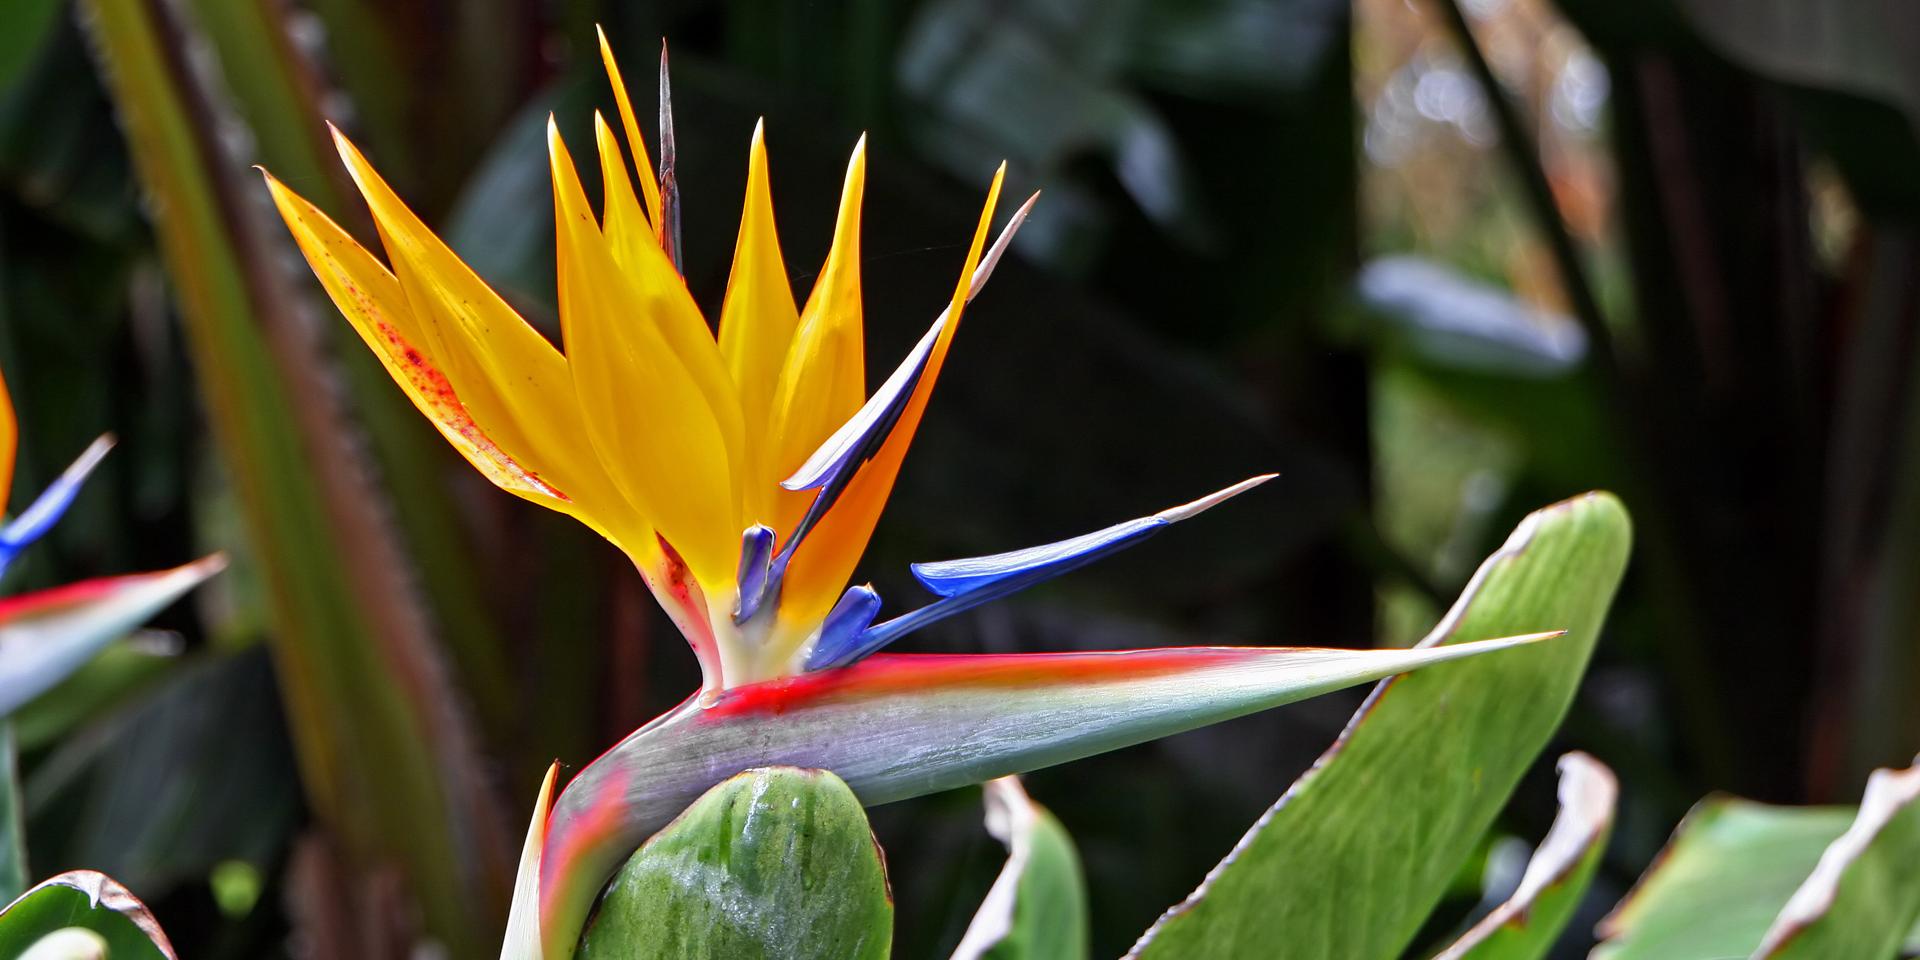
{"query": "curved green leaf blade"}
{"type": "Point", "coordinates": [1716, 887]}
{"type": "Point", "coordinates": [1864, 895]}
{"type": "Point", "coordinates": [90, 900]}
{"type": "Point", "coordinates": [1527, 924]}
{"type": "Point", "coordinates": [1037, 907]}
{"type": "Point", "coordinates": [903, 725]}
{"type": "Point", "coordinates": [46, 636]}
{"type": "Point", "coordinates": [1351, 860]}
{"type": "Point", "coordinates": [773, 863]}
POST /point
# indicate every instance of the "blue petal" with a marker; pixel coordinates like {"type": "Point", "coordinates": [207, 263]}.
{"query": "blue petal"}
{"type": "Point", "coordinates": [756, 570]}
{"type": "Point", "coordinates": [861, 436]}
{"type": "Point", "coordinates": [949, 578]}
{"type": "Point", "coordinates": [833, 465]}
{"type": "Point", "coordinates": [965, 584]}
{"type": "Point", "coordinates": [839, 640]}
{"type": "Point", "coordinates": [46, 509]}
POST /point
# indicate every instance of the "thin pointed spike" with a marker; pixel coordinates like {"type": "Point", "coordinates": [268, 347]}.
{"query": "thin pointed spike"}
{"type": "Point", "coordinates": [669, 184]}
{"type": "Point", "coordinates": [52, 503]}
{"type": "Point", "coordinates": [965, 584]}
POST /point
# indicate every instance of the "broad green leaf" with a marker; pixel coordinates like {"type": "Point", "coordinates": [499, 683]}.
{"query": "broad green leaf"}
{"type": "Point", "coordinates": [92, 901]}
{"type": "Point", "coordinates": [902, 725]}
{"type": "Point", "coordinates": [385, 752]}
{"type": "Point", "coordinates": [1864, 895]}
{"type": "Point", "coordinates": [46, 636]}
{"type": "Point", "coordinates": [1351, 860]}
{"type": "Point", "coordinates": [1716, 887]}
{"type": "Point", "coordinates": [1037, 907]}
{"type": "Point", "coordinates": [1527, 924]}
{"type": "Point", "coordinates": [1809, 883]}
{"type": "Point", "coordinates": [773, 863]}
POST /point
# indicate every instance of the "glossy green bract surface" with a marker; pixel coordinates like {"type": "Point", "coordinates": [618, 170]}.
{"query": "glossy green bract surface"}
{"type": "Point", "coordinates": [771, 864]}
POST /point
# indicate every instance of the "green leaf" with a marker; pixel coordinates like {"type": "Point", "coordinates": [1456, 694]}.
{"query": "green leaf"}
{"type": "Point", "coordinates": [89, 900]}
{"type": "Point", "coordinates": [1352, 859]}
{"type": "Point", "coordinates": [1864, 895]}
{"type": "Point", "coordinates": [773, 863]}
{"type": "Point", "coordinates": [1713, 891]}
{"type": "Point", "coordinates": [1527, 924]}
{"type": "Point", "coordinates": [1037, 907]}
{"type": "Point", "coordinates": [1741, 878]}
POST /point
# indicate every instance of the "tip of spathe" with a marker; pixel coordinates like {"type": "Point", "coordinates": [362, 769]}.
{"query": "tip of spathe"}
{"type": "Point", "coordinates": [1213, 499]}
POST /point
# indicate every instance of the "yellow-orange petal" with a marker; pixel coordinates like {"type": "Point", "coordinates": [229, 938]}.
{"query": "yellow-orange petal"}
{"type": "Point", "coordinates": [376, 307]}
{"type": "Point", "coordinates": [9, 442]}
{"type": "Point", "coordinates": [757, 322]}
{"type": "Point", "coordinates": [823, 378]}
{"type": "Point", "coordinates": [649, 183]}
{"type": "Point", "coordinates": [647, 418]}
{"type": "Point", "coordinates": [511, 382]}
{"type": "Point", "coordinates": [824, 562]}
{"type": "Point", "coordinates": [680, 324]}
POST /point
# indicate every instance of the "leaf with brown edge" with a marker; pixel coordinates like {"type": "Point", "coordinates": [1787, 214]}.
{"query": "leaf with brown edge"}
{"type": "Point", "coordinates": [1864, 894]}
{"type": "Point", "coordinates": [89, 900]}
{"type": "Point", "coordinates": [1526, 926]}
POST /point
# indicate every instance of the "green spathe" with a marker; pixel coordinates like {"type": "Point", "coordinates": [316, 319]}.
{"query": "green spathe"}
{"type": "Point", "coordinates": [772, 864]}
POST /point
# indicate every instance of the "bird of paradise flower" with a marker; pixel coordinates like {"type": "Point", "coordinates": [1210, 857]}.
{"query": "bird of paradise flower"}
{"type": "Point", "coordinates": [743, 473]}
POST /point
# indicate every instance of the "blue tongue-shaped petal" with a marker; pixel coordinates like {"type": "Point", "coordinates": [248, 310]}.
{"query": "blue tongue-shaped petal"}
{"type": "Point", "coordinates": [833, 463]}
{"type": "Point", "coordinates": [47, 508]}
{"type": "Point", "coordinates": [965, 584]}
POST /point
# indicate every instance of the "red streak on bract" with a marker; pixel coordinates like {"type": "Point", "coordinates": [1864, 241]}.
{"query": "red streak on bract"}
{"type": "Point", "coordinates": [56, 599]}
{"type": "Point", "coordinates": [894, 673]}
{"type": "Point", "coordinates": [581, 836]}
{"type": "Point", "coordinates": [691, 616]}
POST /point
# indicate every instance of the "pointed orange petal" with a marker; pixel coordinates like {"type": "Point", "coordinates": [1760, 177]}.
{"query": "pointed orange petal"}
{"type": "Point", "coordinates": [823, 379]}
{"type": "Point", "coordinates": [756, 325]}
{"type": "Point", "coordinates": [511, 382]}
{"type": "Point", "coordinates": [372, 301]}
{"type": "Point", "coordinates": [9, 442]}
{"type": "Point", "coordinates": [824, 562]}
{"type": "Point", "coordinates": [647, 418]}
{"type": "Point", "coordinates": [649, 184]}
